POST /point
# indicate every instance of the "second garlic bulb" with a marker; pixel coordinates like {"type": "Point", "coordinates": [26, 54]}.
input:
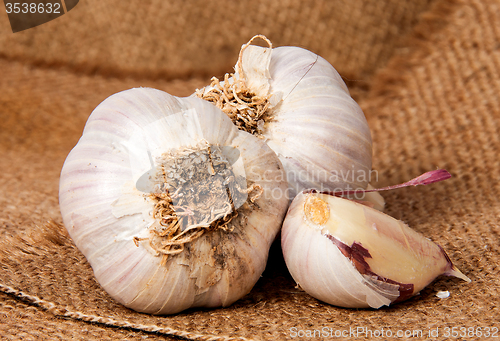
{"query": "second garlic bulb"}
{"type": "Point", "coordinates": [298, 103]}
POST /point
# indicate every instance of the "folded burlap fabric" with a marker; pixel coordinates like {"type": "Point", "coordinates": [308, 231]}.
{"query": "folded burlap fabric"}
{"type": "Point", "coordinates": [426, 74]}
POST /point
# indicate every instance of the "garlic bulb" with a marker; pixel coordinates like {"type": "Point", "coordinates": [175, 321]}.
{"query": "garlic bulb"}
{"type": "Point", "coordinates": [298, 103]}
{"type": "Point", "coordinates": [170, 203]}
{"type": "Point", "coordinates": [350, 255]}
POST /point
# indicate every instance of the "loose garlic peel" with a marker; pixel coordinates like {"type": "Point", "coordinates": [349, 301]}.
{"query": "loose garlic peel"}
{"type": "Point", "coordinates": [354, 256]}
{"type": "Point", "coordinates": [170, 203]}
{"type": "Point", "coordinates": [297, 102]}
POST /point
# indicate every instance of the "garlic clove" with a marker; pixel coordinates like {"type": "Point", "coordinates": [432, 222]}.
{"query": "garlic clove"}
{"type": "Point", "coordinates": [350, 255]}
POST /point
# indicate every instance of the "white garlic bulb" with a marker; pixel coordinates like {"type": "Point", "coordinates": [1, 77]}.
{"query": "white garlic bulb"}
{"type": "Point", "coordinates": [350, 255]}
{"type": "Point", "coordinates": [170, 203]}
{"type": "Point", "coordinates": [300, 105]}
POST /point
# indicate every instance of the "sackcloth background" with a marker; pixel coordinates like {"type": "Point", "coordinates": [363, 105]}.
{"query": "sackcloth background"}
{"type": "Point", "coordinates": [425, 72]}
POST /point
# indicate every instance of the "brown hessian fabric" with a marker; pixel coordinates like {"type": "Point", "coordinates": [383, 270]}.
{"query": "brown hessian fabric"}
{"type": "Point", "coordinates": [425, 72]}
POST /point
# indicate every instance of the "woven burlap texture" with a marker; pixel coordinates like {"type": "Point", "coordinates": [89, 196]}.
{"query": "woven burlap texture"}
{"type": "Point", "coordinates": [426, 74]}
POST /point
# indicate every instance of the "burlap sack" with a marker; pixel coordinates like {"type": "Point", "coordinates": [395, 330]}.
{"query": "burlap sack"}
{"type": "Point", "coordinates": [426, 73]}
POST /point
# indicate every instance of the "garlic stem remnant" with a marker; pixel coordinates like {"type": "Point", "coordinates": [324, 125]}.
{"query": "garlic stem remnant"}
{"type": "Point", "coordinates": [351, 255]}
{"type": "Point", "coordinates": [371, 197]}
{"type": "Point", "coordinates": [244, 108]}
{"type": "Point", "coordinates": [298, 103]}
{"type": "Point", "coordinates": [245, 105]}
{"type": "Point", "coordinates": [170, 203]}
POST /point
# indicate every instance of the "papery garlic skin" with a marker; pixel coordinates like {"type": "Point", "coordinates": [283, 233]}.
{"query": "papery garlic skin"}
{"type": "Point", "coordinates": [106, 214]}
{"type": "Point", "coordinates": [318, 131]}
{"type": "Point", "coordinates": [375, 198]}
{"type": "Point", "coordinates": [350, 255]}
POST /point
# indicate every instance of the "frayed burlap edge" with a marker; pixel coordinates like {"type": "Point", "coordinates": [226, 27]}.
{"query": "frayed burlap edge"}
{"type": "Point", "coordinates": [55, 233]}
{"type": "Point", "coordinates": [57, 311]}
{"type": "Point", "coordinates": [66, 312]}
